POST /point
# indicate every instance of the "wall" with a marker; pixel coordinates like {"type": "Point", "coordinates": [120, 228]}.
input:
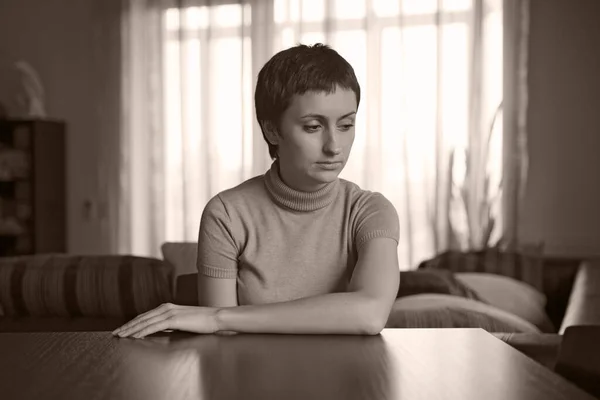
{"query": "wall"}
{"type": "Point", "coordinates": [74, 45]}
{"type": "Point", "coordinates": [562, 205]}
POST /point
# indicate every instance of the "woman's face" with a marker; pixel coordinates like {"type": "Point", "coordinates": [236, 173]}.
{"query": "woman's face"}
{"type": "Point", "coordinates": [316, 133]}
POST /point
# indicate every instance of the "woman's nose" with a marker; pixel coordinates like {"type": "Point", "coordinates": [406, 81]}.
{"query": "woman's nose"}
{"type": "Point", "coordinates": [332, 146]}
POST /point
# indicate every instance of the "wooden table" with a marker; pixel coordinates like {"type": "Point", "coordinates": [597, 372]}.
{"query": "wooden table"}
{"type": "Point", "coordinates": [398, 364]}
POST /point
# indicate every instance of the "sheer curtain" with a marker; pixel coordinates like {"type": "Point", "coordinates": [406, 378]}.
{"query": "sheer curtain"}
{"type": "Point", "coordinates": [432, 81]}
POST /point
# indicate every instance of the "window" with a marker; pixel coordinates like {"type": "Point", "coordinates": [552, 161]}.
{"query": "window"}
{"type": "Point", "coordinates": [416, 67]}
{"type": "Point", "coordinates": [207, 88]}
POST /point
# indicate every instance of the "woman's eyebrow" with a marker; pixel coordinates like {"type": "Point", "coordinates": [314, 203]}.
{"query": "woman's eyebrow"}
{"type": "Point", "coordinates": [319, 116]}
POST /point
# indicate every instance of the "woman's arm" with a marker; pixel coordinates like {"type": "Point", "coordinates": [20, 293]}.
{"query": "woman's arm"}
{"type": "Point", "coordinates": [364, 309]}
{"type": "Point", "coordinates": [216, 292]}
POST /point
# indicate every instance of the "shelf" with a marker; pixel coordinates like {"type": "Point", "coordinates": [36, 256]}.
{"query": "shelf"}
{"type": "Point", "coordinates": [34, 199]}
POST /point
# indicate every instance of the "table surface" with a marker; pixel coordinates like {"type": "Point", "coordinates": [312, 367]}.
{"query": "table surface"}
{"type": "Point", "coordinates": [398, 364]}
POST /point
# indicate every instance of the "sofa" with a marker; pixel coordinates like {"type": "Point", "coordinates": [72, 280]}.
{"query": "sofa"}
{"type": "Point", "coordinates": [578, 295]}
{"type": "Point", "coordinates": [571, 287]}
{"type": "Point", "coordinates": [58, 292]}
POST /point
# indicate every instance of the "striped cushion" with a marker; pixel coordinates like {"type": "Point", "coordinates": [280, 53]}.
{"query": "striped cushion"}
{"type": "Point", "coordinates": [523, 266]}
{"type": "Point", "coordinates": [89, 286]}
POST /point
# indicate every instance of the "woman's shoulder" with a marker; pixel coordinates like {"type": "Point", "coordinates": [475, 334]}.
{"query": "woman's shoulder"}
{"type": "Point", "coordinates": [359, 198]}
{"type": "Point", "coordinates": [247, 191]}
{"type": "Point", "coordinates": [371, 214]}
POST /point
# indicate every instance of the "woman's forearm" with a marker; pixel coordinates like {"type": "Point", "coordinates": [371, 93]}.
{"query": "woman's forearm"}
{"type": "Point", "coordinates": [335, 313]}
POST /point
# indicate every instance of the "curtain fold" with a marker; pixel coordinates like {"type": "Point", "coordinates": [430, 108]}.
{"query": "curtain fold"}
{"type": "Point", "coordinates": [432, 82]}
{"type": "Point", "coordinates": [515, 151]}
{"type": "Point", "coordinates": [142, 178]}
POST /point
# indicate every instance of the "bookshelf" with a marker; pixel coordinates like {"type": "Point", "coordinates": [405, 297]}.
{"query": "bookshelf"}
{"type": "Point", "coordinates": [32, 187]}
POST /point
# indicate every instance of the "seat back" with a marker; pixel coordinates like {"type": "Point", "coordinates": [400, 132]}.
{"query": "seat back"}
{"type": "Point", "coordinates": [579, 357]}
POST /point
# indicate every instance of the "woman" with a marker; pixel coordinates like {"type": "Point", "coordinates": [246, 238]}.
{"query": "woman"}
{"type": "Point", "coordinates": [296, 250]}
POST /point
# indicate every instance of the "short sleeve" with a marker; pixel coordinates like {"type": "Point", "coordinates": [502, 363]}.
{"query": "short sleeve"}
{"type": "Point", "coordinates": [217, 252]}
{"type": "Point", "coordinates": [376, 217]}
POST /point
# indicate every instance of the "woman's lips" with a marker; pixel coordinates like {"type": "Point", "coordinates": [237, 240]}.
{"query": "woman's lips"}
{"type": "Point", "coordinates": [329, 165]}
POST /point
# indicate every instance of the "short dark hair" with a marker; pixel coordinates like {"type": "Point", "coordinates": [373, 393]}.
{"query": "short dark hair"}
{"type": "Point", "coordinates": [295, 71]}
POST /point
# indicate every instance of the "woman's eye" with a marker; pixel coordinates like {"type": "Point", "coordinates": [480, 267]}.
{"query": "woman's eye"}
{"type": "Point", "coordinates": [311, 128]}
{"type": "Point", "coordinates": [346, 127]}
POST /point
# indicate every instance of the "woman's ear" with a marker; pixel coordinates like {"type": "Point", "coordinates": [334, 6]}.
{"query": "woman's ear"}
{"type": "Point", "coordinates": [271, 132]}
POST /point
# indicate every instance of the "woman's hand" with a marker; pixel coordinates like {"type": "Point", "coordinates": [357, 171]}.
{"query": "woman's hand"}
{"type": "Point", "coordinates": [171, 316]}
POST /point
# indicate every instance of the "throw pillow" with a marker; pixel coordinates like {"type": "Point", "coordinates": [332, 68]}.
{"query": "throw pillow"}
{"type": "Point", "coordinates": [446, 311]}
{"type": "Point", "coordinates": [88, 286]}
{"type": "Point", "coordinates": [510, 295]}
{"type": "Point", "coordinates": [433, 281]}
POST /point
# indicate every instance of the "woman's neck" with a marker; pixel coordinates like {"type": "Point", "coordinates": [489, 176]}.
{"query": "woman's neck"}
{"type": "Point", "coordinates": [292, 180]}
{"type": "Point", "coordinates": [298, 200]}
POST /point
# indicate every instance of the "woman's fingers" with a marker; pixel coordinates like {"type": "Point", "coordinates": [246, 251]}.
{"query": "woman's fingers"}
{"type": "Point", "coordinates": [183, 318]}
{"type": "Point", "coordinates": [153, 328]}
{"type": "Point", "coordinates": [132, 330]}
{"type": "Point", "coordinates": [136, 319]}
{"type": "Point", "coordinates": [144, 317]}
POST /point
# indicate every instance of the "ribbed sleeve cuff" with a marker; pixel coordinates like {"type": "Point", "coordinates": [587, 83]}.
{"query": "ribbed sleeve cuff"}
{"type": "Point", "coordinates": [376, 234]}
{"type": "Point", "coordinates": [221, 273]}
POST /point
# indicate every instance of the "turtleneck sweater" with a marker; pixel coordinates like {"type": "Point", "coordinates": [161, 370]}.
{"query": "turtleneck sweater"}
{"type": "Point", "coordinates": [295, 200]}
{"type": "Point", "coordinates": [281, 244]}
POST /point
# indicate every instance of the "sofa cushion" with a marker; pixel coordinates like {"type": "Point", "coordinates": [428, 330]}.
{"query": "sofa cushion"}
{"type": "Point", "coordinates": [510, 295]}
{"type": "Point", "coordinates": [181, 255]}
{"type": "Point", "coordinates": [433, 281]}
{"type": "Point", "coordinates": [446, 311]}
{"type": "Point", "coordinates": [82, 286]}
